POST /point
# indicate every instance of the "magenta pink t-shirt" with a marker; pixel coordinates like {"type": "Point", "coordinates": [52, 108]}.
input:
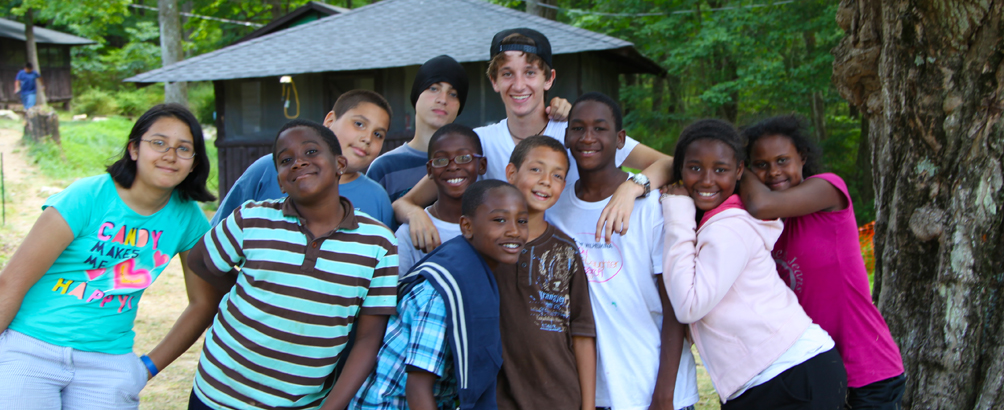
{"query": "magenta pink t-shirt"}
{"type": "Point", "coordinates": [819, 257]}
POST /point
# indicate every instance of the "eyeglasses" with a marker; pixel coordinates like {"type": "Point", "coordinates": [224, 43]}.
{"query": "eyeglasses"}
{"type": "Point", "coordinates": [459, 160]}
{"type": "Point", "coordinates": [182, 151]}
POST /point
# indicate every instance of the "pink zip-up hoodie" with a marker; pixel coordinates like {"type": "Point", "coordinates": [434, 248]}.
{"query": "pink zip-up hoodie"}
{"type": "Point", "coordinates": [723, 282]}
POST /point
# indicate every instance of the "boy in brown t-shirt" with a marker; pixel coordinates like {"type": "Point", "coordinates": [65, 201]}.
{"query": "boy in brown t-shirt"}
{"type": "Point", "coordinates": [548, 336]}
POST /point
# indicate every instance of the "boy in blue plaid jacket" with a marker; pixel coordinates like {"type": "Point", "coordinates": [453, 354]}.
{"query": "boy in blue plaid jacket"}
{"type": "Point", "coordinates": [443, 346]}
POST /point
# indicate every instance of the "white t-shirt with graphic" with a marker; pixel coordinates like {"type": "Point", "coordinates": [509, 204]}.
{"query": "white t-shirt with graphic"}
{"type": "Point", "coordinates": [497, 144]}
{"type": "Point", "coordinates": [407, 255]}
{"type": "Point", "coordinates": [626, 306]}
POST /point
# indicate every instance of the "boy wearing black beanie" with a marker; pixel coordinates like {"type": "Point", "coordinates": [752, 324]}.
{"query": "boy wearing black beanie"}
{"type": "Point", "coordinates": [438, 95]}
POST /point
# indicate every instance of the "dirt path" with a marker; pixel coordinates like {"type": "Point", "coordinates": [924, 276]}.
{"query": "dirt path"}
{"type": "Point", "coordinates": [26, 190]}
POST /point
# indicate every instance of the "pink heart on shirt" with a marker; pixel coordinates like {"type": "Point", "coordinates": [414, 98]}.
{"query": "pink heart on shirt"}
{"type": "Point", "coordinates": [160, 258]}
{"type": "Point", "coordinates": [94, 273]}
{"type": "Point", "coordinates": [126, 276]}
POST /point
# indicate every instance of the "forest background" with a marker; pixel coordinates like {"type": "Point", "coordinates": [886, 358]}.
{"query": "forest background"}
{"type": "Point", "coordinates": [735, 60]}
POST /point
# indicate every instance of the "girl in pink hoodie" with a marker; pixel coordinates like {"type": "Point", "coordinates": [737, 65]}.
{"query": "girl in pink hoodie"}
{"type": "Point", "coordinates": [819, 257]}
{"type": "Point", "coordinates": [760, 348]}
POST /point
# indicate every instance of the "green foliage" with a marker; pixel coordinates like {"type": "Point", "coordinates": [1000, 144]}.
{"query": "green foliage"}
{"type": "Point", "coordinates": [840, 157]}
{"type": "Point", "coordinates": [202, 101]}
{"type": "Point", "coordinates": [95, 102]}
{"type": "Point", "coordinates": [133, 103]}
{"type": "Point", "coordinates": [726, 59]}
{"type": "Point", "coordinates": [87, 147]}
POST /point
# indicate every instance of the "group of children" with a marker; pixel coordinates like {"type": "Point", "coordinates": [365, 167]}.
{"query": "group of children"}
{"type": "Point", "coordinates": [494, 291]}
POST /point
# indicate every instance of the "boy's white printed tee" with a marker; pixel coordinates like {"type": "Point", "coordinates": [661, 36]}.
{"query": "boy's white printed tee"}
{"type": "Point", "coordinates": [626, 307]}
{"type": "Point", "coordinates": [497, 144]}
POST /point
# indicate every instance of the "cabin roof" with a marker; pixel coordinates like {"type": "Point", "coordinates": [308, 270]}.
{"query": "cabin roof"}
{"type": "Point", "coordinates": [15, 30]}
{"type": "Point", "coordinates": [390, 33]}
{"type": "Point", "coordinates": [284, 22]}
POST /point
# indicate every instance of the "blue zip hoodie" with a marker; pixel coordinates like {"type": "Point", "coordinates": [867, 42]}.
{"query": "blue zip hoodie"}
{"type": "Point", "coordinates": [468, 288]}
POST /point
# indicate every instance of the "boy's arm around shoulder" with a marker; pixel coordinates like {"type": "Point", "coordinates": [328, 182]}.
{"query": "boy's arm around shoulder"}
{"type": "Point", "coordinates": [409, 209]}
{"type": "Point", "coordinates": [698, 272]}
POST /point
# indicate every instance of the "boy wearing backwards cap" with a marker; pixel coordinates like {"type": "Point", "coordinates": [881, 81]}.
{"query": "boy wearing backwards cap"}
{"type": "Point", "coordinates": [521, 72]}
{"type": "Point", "coordinates": [438, 94]}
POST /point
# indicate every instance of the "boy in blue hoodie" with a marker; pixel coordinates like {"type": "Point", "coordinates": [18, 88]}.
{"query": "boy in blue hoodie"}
{"type": "Point", "coordinates": [443, 345]}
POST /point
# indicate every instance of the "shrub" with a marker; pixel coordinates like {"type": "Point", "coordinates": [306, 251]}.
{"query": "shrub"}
{"type": "Point", "coordinates": [95, 102]}
{"type": "Point", "coordinates": [133, 103]}
{"type": "Point", "coordinates": [202, 101]}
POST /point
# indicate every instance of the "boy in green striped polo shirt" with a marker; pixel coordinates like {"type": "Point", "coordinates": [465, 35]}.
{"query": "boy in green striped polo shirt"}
{"type": "Point", "coordinates": [311, 269]}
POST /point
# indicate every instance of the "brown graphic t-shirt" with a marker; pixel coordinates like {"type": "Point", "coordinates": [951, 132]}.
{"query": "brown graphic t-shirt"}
{"type": "Point", "coordinates": [544, 301]}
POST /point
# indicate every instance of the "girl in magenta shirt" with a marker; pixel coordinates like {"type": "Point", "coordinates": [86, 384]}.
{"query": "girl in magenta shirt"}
{"type": "Point", "coordinates": [818, 255]}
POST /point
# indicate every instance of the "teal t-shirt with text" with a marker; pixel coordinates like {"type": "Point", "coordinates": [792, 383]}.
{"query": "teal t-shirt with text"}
{"type": "Point", "coordinates": [88, 299]}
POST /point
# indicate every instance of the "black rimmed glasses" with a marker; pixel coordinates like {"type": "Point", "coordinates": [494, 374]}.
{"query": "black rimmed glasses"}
{"type": "Point", "coordinates": [182, 151]}
{"type": "Point", "coordinates": [459, 160]}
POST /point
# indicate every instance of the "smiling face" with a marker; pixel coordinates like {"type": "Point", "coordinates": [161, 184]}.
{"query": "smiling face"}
{"type": "Point", "coordinates": [521, 85]}
{"type": "Point", "coordinates": [361, 132]}
{"type": "Point", "coordinates": [776, 162]}
{"type": "Point", "coordinates": [541, 177]}
{"type": "Point", "coordinates": [592, 136]}
{"type": "Point", "coordinates": [499, 228]}
{"type": "Point", "coordinates": [437, 105]}
{"type": "Point", "coordinates": [307, 168]}
{"type": "Point", "coordinates": [453, 179]}
{"type": "Point", "coordinates": [163, 170]}
{"type": "Point", "coordinates": [710, 172]}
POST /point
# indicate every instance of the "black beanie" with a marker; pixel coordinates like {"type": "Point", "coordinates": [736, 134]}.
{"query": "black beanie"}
{"type": "Point", "coordinates": [542, 49]}
{"type": "Point", "coordinates": [441, 69]}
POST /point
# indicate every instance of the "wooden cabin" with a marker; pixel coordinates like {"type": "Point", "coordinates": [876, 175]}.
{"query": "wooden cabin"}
{"type": "Point", "coordinates": [53, 56]}
{"type": "Point", "coordinates": [380, 47]}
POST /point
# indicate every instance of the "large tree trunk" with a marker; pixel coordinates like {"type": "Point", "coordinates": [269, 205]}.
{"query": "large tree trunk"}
{"type": "Point", "coordinates": [32, 50]}
{"type": "Point", "coordinates": [929, 75]}
{"type": "Point", "coordinates": [538, 8]}
{"type": "Point", "coordinates": [170, 48]}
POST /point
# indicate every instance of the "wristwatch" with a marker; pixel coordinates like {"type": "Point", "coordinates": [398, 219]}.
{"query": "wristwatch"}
{"type": "Point", "coordinates": [642, 180]}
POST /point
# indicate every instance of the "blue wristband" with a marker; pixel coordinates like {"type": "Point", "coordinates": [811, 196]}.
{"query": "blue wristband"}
{"type": "Point", "coordinates": [149, 365]}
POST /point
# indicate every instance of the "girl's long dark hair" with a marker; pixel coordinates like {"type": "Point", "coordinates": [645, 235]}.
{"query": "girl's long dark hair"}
{"type": "Point", "coordinates": [193, 187]}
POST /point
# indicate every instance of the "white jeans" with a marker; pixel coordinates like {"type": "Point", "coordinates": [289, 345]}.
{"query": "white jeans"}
{"type": "Point", "coordinates": [39, 375]}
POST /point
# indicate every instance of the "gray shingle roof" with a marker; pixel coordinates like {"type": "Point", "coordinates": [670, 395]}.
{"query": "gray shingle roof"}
{"type": "Point", "coordinates": [389, 33]}
{"type": "Point", "coordinates": [15, 30]}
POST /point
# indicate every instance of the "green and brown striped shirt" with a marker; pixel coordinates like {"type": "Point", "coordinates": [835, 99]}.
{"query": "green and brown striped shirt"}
{"type": "Point", "coordinates": [282, 327]}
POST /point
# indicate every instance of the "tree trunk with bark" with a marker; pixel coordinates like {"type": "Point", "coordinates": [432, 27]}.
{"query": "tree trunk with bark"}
{"type": "Point", "coordinates": [41, 121]}
{"type": "Point", "coordinates": [929, 76]}
{"type": "Point", "coordinates": [538, 8]}
{"type": "Point", "coordinates": [32, 52]}
{"type": "Point", "coordinates": [170, 48]}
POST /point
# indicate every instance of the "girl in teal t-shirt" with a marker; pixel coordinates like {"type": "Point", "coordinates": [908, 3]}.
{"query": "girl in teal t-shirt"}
{"type": "Point", "coordinates": [69, 295]}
